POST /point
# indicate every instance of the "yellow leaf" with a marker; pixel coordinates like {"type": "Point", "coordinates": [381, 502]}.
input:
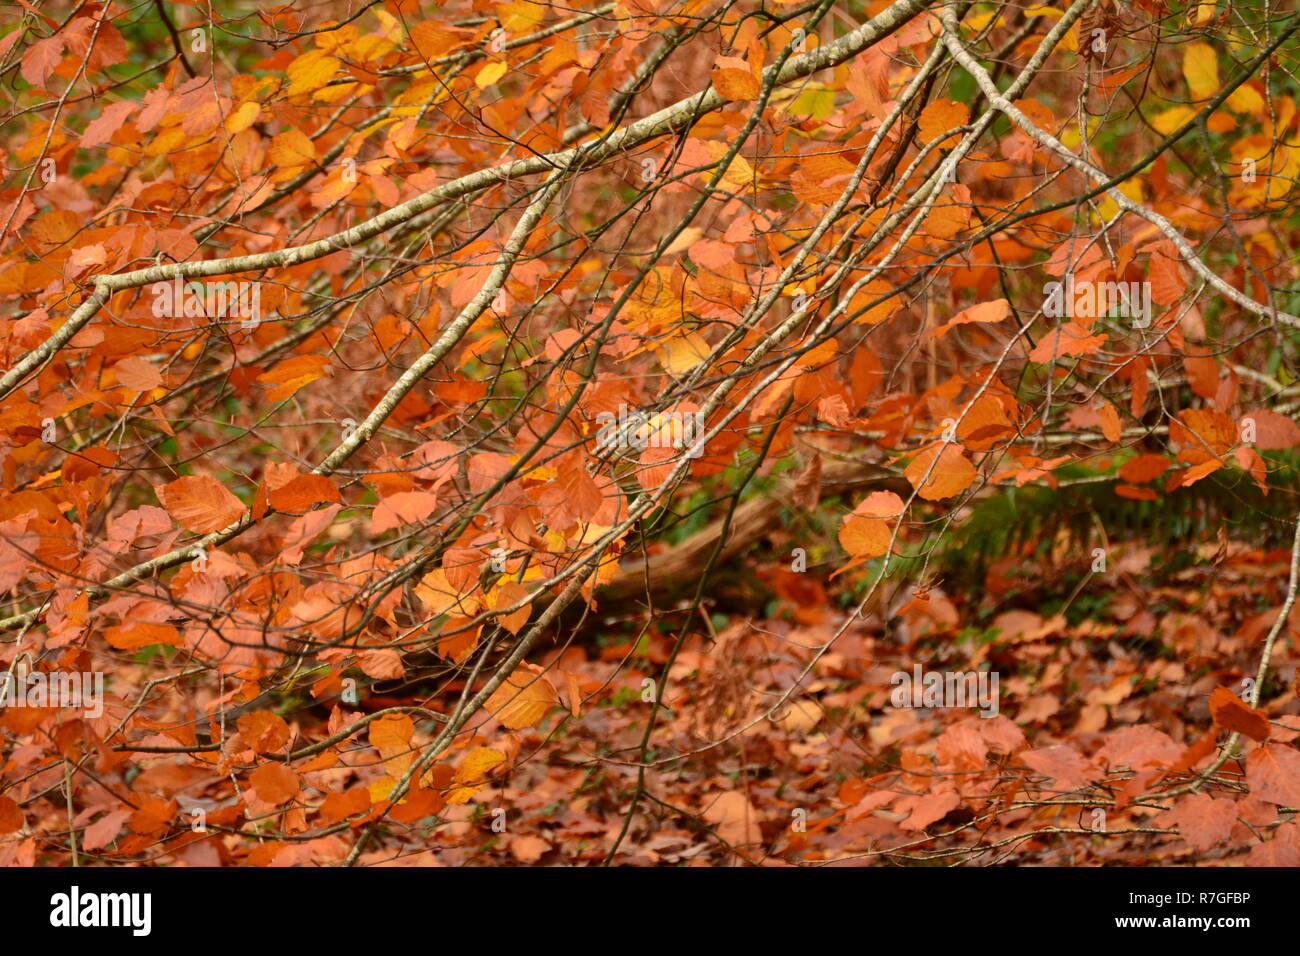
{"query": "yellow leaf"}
{"type": "Point", "coordinates": [818, 104]}
{"type": "Point", "coordinates": [683, 351]}
{"type": "Point", "coordinates": [1201, 69]}
{"type": "Point", "coordinates": [477, 763]}
{"type": "Point", "coordinates": [381, 788]}
{"type": "Point", "coordinates": [310, 72]}
{"type": "Point", "coordinates": [1246, 99]}
{"type": "Point", "coordinates": [242, 118]}
{"type": "Point", "coordinates": [489, 75]}
{"type": "Point", "coordinates": [520, 16]}
{"type": "Point", "coordinates": [439, 597]}
{"type": "Point", "coordinates": [506, 594]}
{"type": "Point", "coordinates": [523, 699]}
{"type": "Point", "coordinates": [804, 714]}
{"type": "Point", "coordinates": [740, 173]}
{"type": "Point", "coordinates": [292, 150]}
{"type": "Point", "coordinates": [391, 736]}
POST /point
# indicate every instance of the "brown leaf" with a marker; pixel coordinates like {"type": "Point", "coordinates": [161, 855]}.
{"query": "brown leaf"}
{"type": "Point", "coordinates": [1232, 713]}
{"type": "Point", "coordinates": [1201, 819]}
{"type": "Point", "coordinates": [1063, 764]}
{"type": "Point", "coordinates": [300, 494]}
{"type": "Point", "coordinates": [1273, 774]}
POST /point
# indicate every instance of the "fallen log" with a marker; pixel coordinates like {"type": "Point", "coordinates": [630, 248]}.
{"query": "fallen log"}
{"type": "Point", "coordinates": [678, 567]}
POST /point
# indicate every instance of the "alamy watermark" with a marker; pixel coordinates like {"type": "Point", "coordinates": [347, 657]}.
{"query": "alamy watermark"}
{"type": "Point", "coordinates": [1092, 300]}
{"type": "Point", "coordinates": [81, 691]}
{"type": "Point", "coordinates": [638, 429]}
{"type": "Point", "coordinates": [214, 300]}
{"type": "Point", "coordinates": [76, 909]}
{"type": "Point", "coordinates": [946, 689]}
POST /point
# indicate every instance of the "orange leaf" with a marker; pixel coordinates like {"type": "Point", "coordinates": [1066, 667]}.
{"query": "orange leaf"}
{"type": "Point", "coordinates": [275, 783]}
{"type": "Point", "coordinates": [301, 493]}
{"type": "Point", "coordinates": [1273, 774]}
{"type": "Point", "coordinates": [1194, 474]}
{"type": "Point", "coordinates": [391, 736]}
{"type": "Point", "coordinates": [1232, 713]}
{"type": "Point", "coordinates": [1070, 339]}
{"type": "Point", "coordinates": [733, 79]}
{"type": "Point", "coordinates": [1109, 419]}
{"type": "Point", "coordinates": [200, 504]}
{"type": "Point", "coordinates": [137, 374]}
{"type": "Point", "coordinates": [949, 475]}
{"type": "Point", "coordinates": [292, 151]}
{"type": "Point", "coordinates": [1202, 435]}
{"type": "Point", "coordinates": [865, 537]}
{"type": "Point", "coordinates": [292, 374]}
{"type": "Point", "coordinates": [41, 60]}
{"type": "Point", "coordinates": [134, 635]}
{"type": "Point", "coordinates": [11, 817]}
{"type": "Point", "coordinates": [263, 730]}
{"type": "Point", "coordinates": [994, 311]}
{"type": "Point", "coordinates": [940, 118]}
{"type": "Point", "coordinates": [1144, 468]}
{"type": "Point", "coordinates": [402, 507]}
{"type": "Point", "coordinates": [1273, 431]}
{"type": "Point", "coordinates": [880, 504]}
{"type": "Point", "coordinates": [523, 699]}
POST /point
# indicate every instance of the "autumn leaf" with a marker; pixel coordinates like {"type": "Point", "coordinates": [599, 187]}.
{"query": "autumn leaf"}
{"type": "Point", "coordinates": [1063, 763]}
{"type": "Point", "coordinates": [489, 74]}
{"type": "Point", "coordinates": [940, 471]}
{"type": "Point", "coordinates": [1144, 468]}
{"type": "Point", "coordinates": [1070, 339]}
{"type": "Point", "coordinates": [11, 818]}
{"type": "Point", "coordinates": [733, 818]}
{"type": "Point", "coordinates": [1201, 819]}
{"type": "Point", "coordinates": [922, 811]}
{"type": "Point", "coordinates": [1231, 713]}
{"type": "Point", "coordinates": [985, 312]}
{"type": "Point", "coordinates": [293, 152]}
{"type": "Point", "coordinates": [41, 59]}
{"type": "Point", "coordinates": [264, 731]}
{"type": "Point", "coordinates": [403, 507]}
{"type": "Point", "coordinates": [733, 79]}
{"type": "Point", "coordinates": [200, 504]}
{"type": "Point", "coordinates": [310, 71]}
{"type": "Point", "coordinates": [300, 494]}
{"type": "Point", "coordinates": [438, 596]}
{"type": "Point", "coordinates": [133, 635]}
{"type": "Point", "coordinates": [137, 374]}
{"type": "Point", "coordinates": [100, 130]}
{"type": "Point", "coordinates": [864, 537]}
{"type": "Point", "coordinates": [1110, 424]}
{"type": "Point", "coordinates": [275, 783]}
{"type": "Point", "coordinates": [940, 119]}
{"type": "Point", "coordinates": [477, 763]}
{"type": "Point", "coordinates": [391, 735]}
{"type": "Point", "coordinates": [1201, 69]}
{"type": "Point", "coordinates": [1273, 774]}
{"type": "Point", "coordinates": [292, 374]}
{"type": "Point", "coordinates": [523, 699]}
{"type": "Point", "coordinates": [1272, 431]}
